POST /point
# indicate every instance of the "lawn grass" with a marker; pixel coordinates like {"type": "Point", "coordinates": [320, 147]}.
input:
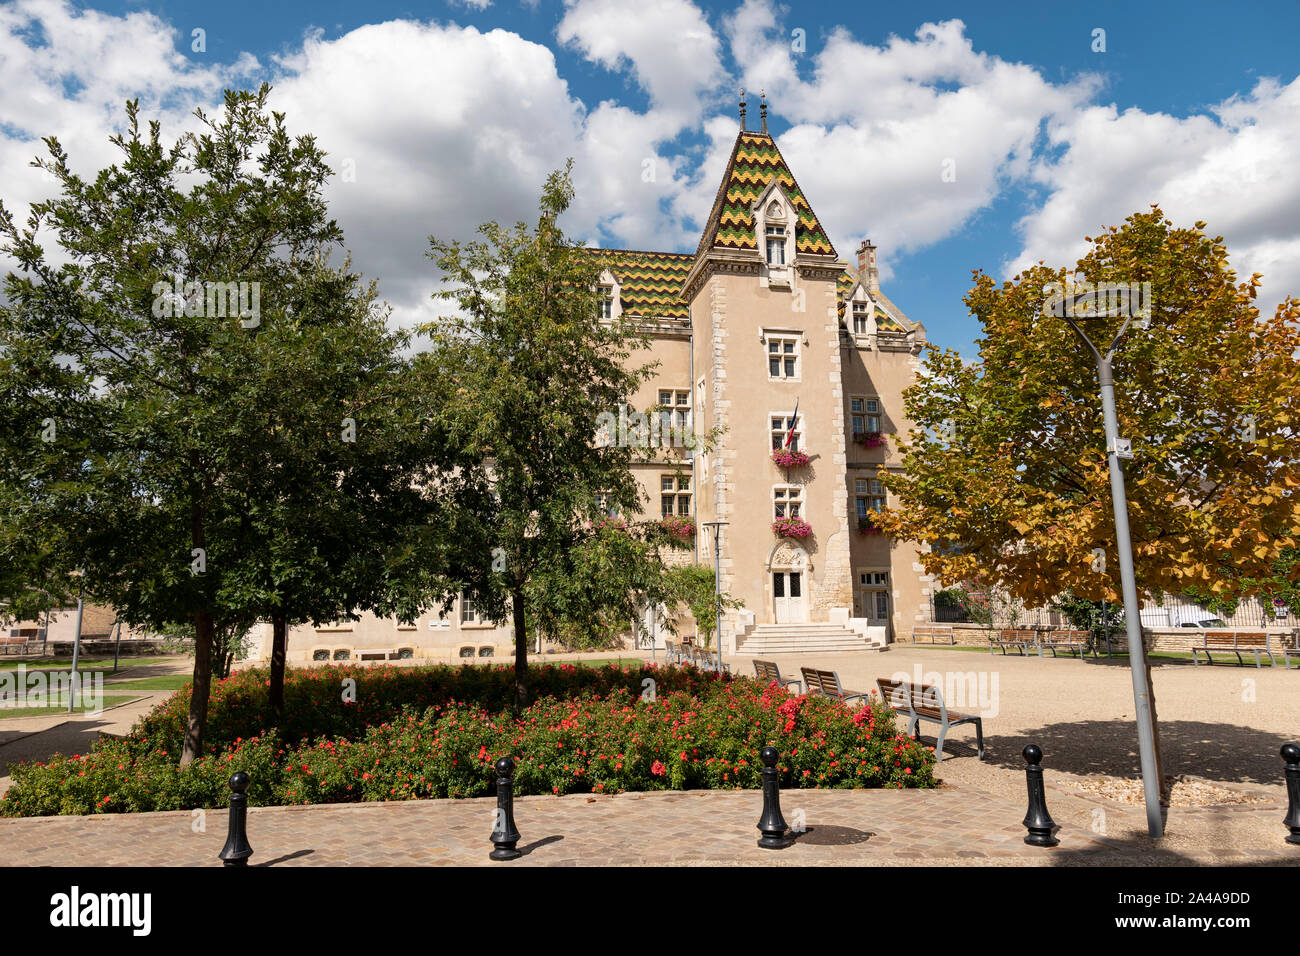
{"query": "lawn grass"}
{"type": "Point", "coordinates": [85, 663]}
{"type": "Point", "coordinates": [109, 700]}
{"type": "Point", "coordinates": [166, 682]}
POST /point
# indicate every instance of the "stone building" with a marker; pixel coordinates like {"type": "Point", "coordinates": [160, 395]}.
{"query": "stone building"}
{"type": "Point", "coordinates": [768, 335]}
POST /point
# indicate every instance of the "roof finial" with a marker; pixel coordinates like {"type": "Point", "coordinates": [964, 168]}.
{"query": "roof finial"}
{"type": "Point", "coordinates": [763, 109]}
{"type": "Point", "coordinates": [742, 109]}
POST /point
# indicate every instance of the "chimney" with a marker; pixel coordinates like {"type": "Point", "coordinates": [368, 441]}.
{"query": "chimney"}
{"type": "Point", "coordinates": [868, 272]}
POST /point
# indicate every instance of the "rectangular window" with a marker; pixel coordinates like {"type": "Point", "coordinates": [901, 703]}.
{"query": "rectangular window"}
{"type": "Point", "coordinates": [781, 428]}
{"type": "Point", "coordinates": [675, 495]}
{"type": "Point", "coordinates": [864, 414]}
{"type": "Point", "coordinates": [787, 501]}
{"type": "Point", "coordinates": [776, 245]}
{"type": "Point", "coordinates": [859, 318]}
{"type": "Point", "coordinates": [782, 357]}
{"type": "Point", "coordinates": [606, 302]}
{"type": "Point", "coordinates": [468, 610]}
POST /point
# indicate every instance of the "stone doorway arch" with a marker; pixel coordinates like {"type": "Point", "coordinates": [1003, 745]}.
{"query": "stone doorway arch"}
{"type": "Point", "coordinates": [787, 583]}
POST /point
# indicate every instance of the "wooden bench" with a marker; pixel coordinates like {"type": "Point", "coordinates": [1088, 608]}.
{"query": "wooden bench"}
{"type": "Point", "coordinates": [672, 651]}
{"type": "Point", "coordinates": [767, 671]}
{"type": "Point", "coordinates": [928, 705]}
{"type": "Point", "coordinates": [704, 659]}
{"type": "Point", "coordinates": [933, 635]}
{"type": "Point", "coordinates": [13, 644]}
{"type": "Point", "coordinates": [1020, 640]}
{"type": "Point", "coordinates": [1294, 648]}
{"type": "Point", "coordinates": [827, 684]}
{"type": "Point", "coordinates": [1076, 642]}
{"type": "Point", "coordinates": [1255, 642]}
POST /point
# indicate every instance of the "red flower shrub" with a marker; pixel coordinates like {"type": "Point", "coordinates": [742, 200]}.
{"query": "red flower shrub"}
{"type": "Point", "coordinates": [435, 731]}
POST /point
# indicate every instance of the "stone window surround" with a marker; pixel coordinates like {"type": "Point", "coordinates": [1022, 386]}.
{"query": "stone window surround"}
{"type": "Point", "coordinates": [798, 337]}
{"type": "Point", "coordinates": [800, 429]}
{"type": "Point", "coordinates": [776, 276]}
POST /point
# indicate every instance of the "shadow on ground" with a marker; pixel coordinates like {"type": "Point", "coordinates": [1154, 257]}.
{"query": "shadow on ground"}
{"type": "Point", "coordinates": [825, 835]}
{"type": "Point", "coordinates": [1143, 851]}
{"type": "Point", "coordinates": [1214, 751]}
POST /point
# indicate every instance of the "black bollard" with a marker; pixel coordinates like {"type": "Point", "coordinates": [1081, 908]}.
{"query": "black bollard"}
{"type": "Point", "coordinates": [237, 851]}
{"type": "Point", "coordinates": [504, 835]}
{"type": "Point", "coordinates": [1291, 754]}
{"type": "Point", "coordinates": [772, 824]}
{"type": "Point", "coordinates": [1038, 820]}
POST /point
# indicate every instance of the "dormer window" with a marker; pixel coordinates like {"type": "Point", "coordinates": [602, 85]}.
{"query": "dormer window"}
{"type": "Point", "coordinates": [606, 308]}
{"type": "Point", "coordinates": [776, 245]}
{"type": "Point", "coordinates": [860, 315]}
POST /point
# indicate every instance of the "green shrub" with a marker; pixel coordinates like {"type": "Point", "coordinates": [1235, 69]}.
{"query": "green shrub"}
{"type": "Point", "coordinates": [435, 732]}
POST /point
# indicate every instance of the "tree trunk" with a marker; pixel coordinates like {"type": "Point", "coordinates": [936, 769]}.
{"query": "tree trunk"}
{"type": "Point", "coordinates": [198, 719]}
{"type": "Point", "coordinates": [279, 646]}
{"type": "Point", "coordinates": [521, 652]}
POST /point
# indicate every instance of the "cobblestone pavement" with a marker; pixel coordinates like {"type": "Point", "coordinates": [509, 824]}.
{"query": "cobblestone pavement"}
{"type": "Point", "coordinates": [950, 826]}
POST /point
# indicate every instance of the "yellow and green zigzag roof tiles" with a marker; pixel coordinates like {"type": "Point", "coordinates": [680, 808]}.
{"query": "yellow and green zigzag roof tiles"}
{"type": "Point", "coordinates": [755, 163]}
{"type": "Point", "coordinates": [650, 283]}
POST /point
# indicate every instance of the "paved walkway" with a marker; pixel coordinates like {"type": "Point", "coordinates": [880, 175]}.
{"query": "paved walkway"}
{"type": "Point", "coordinates": [36, 738]}
{"type": "Point", "coordinates": [949, 826]}
{"type": "Point", "coordinates": [1221, 725]}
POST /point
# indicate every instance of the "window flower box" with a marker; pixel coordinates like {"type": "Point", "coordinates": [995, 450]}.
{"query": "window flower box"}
{"type": "Point", "coordinates": [869, 439]}
{"type": "Point", "coordinates": [790, 459]}
{"type": "Point", "coordinates": [678, 526]}
{"type": "Point", "coordinates": [866, 526]}
{"type": "Point", "coordinates": [791, 528]}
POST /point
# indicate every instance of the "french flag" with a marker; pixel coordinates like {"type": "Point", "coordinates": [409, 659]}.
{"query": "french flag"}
{"type": "Point", "coordinates": [794, 420]}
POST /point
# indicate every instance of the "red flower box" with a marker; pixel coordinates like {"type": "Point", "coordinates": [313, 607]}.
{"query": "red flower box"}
{"type": "Point", "coordinates": [790, 459]}
{"type": "Point", "coordinates": [791, 527]}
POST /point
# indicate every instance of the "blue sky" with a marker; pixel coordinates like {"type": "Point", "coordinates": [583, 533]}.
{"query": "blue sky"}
{"type": "Point", "coordinates": [444, 123]}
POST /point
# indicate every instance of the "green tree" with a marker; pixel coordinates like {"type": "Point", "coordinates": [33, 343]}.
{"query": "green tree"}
{"type": "Point", "coordinates": [695, 586]}
{"type": "Point", "coordinates": [183, 474]}
{"type": "Point", "coordinates": [522, 370]}
{"type": "Point", "coordinates": [1007, 454]}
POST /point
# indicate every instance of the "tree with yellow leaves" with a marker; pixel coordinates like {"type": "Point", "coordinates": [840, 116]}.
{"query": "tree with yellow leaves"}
{"type": "Point", "coordinates": [1006, 470]}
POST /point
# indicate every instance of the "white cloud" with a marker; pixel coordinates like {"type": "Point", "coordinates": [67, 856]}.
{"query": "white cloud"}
{"type": "Point", "coordinates": [906, 141]}
{"type": "Point", "coordinates": [1235, 170]}
{"type": "Point", "coordinates": [68, 73]}
{"type": "Point", "coordinates": [435, 128]}
{"type": "Point", "coordinates": [669, 45]}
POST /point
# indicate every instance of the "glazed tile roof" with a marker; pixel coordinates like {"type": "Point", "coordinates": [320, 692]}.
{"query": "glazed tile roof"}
{"type": "Point", "coordinates": [755, 163]}
{"type": "Point", "coordinates": [650, 283]}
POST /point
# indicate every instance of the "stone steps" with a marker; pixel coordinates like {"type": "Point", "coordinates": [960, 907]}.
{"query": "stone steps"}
{"type": "Point", "coordinates": [814, 638]}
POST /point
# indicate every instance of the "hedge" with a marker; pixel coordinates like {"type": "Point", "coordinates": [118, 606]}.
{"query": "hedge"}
{"type": "Point", "coordinates": [422, 732]}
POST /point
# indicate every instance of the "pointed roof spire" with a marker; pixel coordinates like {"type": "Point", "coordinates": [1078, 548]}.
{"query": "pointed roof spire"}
{"type": "Point", "coordinates": [763, 109]}
{"type": "Point", "coordinates": [742, 109]}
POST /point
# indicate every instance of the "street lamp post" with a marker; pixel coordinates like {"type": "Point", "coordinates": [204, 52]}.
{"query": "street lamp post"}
{"type": "Point", "coordinates": [76, 643]}
{"type": "Point", "coordinates": [717, 527]}
{"type": "Point", "coordinates": [1117, 449]}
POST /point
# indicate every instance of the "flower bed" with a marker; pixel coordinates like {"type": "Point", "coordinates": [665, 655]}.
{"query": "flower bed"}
{"type": "Point", "coordinates": [435, 732]}
{"type": "Point", "coordinates": [678, 526]}
{"type": "Point", "coordinates": [791, 528]}
{"type": "Point", "coordinates": [790, 459]}
{"type": "Point", "coordinates": [869, 439]}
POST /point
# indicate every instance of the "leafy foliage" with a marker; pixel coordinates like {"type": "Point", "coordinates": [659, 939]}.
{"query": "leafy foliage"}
{"type": "Point", "coordinates": [1007, 456]}
{"type": "Point", "coordinates": [435, 732]}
